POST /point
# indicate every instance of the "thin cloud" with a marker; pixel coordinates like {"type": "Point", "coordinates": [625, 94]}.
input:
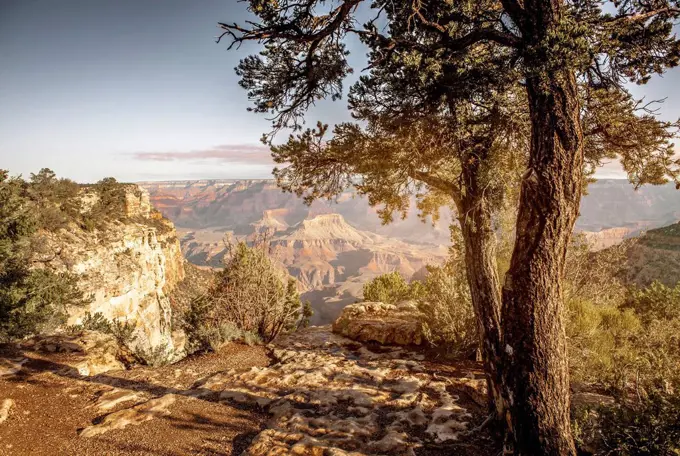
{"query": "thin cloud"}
{"type": "Point", "coordinates": [228, 153]}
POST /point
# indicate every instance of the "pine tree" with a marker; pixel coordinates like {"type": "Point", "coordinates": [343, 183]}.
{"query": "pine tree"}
{"type": "Point", "coordinates": [441, 63]}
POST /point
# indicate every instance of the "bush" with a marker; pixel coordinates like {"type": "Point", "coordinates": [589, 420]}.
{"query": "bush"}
{"type": "Point", "coordinates": [444, 301]}
{"type": "Point", "coordinates": [449, 320]}
{"type": "Point", "coordinates": [157, 356]}
{"type": "Point", "coordinates": [656, 302]}
{"type": "Point", "coordinates": [389, 288]}
{"type": "Point", "coordinates": [250, 299]}
{"type": "Point", "coordinates": [627, 343]}
{"type": "Point", "coordinates": [31, 300]}
{"type": "Point", "coordinates": [601, 344]}
{"type": "Point", "coordinates": [56, 200]}
{"type": "Point", "coordinates": [90, 322]}
{"type": "Point", "coordinates": [649, 428]}
{"type": "Point", "coordinates": [122, 331]}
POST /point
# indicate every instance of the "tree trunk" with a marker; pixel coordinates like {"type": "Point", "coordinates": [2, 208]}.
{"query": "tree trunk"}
{"type": "Point", "coordinates": [534, 360]}
{"type": "Point", "coordinates": [482, 275]}
{"type": "Point", "coordinates": [476, 221]}
{"type": "Point", "coordinates": [534, 369]}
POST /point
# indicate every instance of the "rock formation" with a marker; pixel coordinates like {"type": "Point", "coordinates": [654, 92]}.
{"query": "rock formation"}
{"type": "Point", "coordinates": [386, 324]}
{"type": "Point", "coordinates": [89, 353]}
{"type": "Point", "coordinates": [333, 267]}
{"type": "Point", "coordinates": [330, 258]}
{"type": "Point", "coordinates": [125, 269]}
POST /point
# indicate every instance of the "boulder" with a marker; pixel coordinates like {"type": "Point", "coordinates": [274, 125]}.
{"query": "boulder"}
{"type": "Point", "coordinates": [385, 324]}
{"type": "Point", "coordinates": [88, 352]}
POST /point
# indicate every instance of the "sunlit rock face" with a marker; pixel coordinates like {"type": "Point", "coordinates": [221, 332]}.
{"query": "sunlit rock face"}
{"type": "Point", "coordinates": [125, 270]}
{"type": "Point", "coordinates": [382, 323]}
{"type": "Point", "coordinates": [87, 353]}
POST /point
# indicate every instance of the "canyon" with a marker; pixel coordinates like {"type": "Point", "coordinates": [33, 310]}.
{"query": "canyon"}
{"type": "Point", "coordinates": [334, 247]}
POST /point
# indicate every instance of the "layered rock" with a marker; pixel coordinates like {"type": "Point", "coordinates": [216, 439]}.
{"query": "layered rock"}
{"type": "Point", "coordinates": [88, 353]}
{"type": "Point", "coordinates": [385, 324]}
{"type": "Point", "coordinates": [326, 250]}
{"type": "Point", "coordinates": [328, 256]}
{"type": "Point", "coordinates": [125, 269]}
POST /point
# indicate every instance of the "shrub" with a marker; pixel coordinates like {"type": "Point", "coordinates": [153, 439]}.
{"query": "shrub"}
{"type": "Point", "coordinates": [601, 344]}
{"type": "Point", "coordinates": [388, 288]}
{"type": "Point", "coordinates": [656, 302]}
{"type": "Point", "coordinates": [122, 331]}
{"type": "Point", "coordinates": [56, 200]}
{"type": "Point", "coordinates": [250, 294]}
{"type": "Point", "coordinates": [651, 427]}
{"type": "Point", "coordinates": [626, 342]}
{"type": "Point", "coordinates": [445, 302]}
{"type": "Point", "coordinates": [111, 197]}
{"type": "Point", "coordinates": [157, 356]}
{"type": "Point", "coordinates": [90, 322]}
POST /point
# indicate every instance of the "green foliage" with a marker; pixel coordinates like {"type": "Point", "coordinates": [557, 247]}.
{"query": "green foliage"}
{"type": "Point", "coordinates": [620, 339]}
{"type": "Point", "coordinates": [307, 313]}
{"type": "Point", "coordinates": [56, 200]}
{"type": "Point", "coordinates": [443, 299]}
{"type": "Point", "coordinates": [627, 343]}
{"type": "Point", "coordinates": [657, 302]}
{"type": "Point", "coordinates": [111, 197]}
{"type": "Point", "coordinates": [109, 205]}
{"type": "Point", "coordinates": [601, 344]}
{"type": "Point", "coordinates": [389, 288]}
{"type": "Point", "coordinates": [31, 300]}
{"type": "Point", "coordinates": [446, 303]}
{"type": "Point", "coordinates": [157, 356]}
{"type": "Point", "coordinates": [649, 428]}
{"type": "Point", "coordinates": [122, 331]}
{"type": "Point", "coordinates": [92, 322]}
{"type": "Point", "coordinates": [251, 299]}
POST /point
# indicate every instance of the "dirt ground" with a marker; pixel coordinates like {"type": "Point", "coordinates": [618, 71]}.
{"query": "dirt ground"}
{"type": "Point", "coordinates": [50, 408]}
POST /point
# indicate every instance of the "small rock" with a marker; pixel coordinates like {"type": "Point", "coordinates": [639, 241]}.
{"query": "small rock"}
{"type": "Point", "coordinates": [4, 409]}
{"type": "Point", "coordinates": [132, 416]}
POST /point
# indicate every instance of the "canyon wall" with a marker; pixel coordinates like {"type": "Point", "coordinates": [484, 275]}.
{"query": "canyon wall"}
{"type": "Point", "coordinates": [125, 269]}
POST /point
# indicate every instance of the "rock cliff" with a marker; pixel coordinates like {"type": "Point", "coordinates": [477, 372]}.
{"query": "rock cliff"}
{"type": "Point", "coordinates": [125, 268]}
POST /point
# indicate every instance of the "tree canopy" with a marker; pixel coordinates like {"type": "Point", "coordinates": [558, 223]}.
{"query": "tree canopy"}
{"type": "Point", "coordinates": [475, 102]}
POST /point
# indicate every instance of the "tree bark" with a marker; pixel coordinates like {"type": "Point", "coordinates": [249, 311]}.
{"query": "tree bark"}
{"type": "Point", "coordinates": [534, 364]}
{"type": "Point", "coordinates": [482, 274]}
{"type": "Point", "coordinates": [475, 214]}
{"type": "Point", "coordinates": [535, 368]}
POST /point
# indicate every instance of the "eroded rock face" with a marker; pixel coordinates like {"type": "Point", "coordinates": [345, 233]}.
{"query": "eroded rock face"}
{"type": "Point", "coordinates": [328, 395]}
{"type": "Point", "coordinates": [125, 270]}
{"type": "Point", "coordinates": [90, 353]}
{"type": "Point", "coordinates": [386, 324]}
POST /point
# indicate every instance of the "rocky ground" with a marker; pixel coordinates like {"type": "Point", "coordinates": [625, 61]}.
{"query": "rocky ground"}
{"type": "Point", "coordinates": [312, 393]}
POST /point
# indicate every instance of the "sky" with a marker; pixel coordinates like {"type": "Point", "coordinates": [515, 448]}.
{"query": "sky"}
{"type": "Point", "coordinates": [139, 90]}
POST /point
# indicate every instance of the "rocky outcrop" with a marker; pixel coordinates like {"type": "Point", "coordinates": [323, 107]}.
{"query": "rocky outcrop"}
{"type": "Point", "coordinates": [89, 353]}
{"type": "Point", "coordinates": [327, 395]}
{"type": "Point", "coordinates": [324, 253]}
{"type": "Point", "coordinates": [386, 324]}
{"type": "Point", "coordinates": [326, 250]}
{"type": "Point", "coordinates": [125, 269]}
{"type": "Point", "coordinates": [134, 416]}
